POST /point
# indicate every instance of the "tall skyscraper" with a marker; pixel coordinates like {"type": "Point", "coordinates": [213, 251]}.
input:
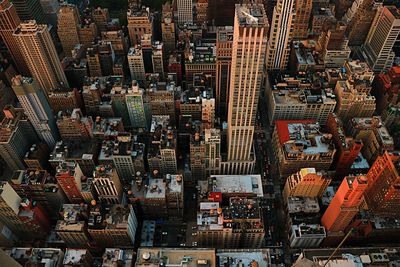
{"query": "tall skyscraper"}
{"type": "Point", "coordinates": [383, 191]}
{"type": "Point", "coordinates": [223, 68]}
{"type": "Point", "coordinates": [30, 10]}
{"type": "Point", "coordinates": [185, 11]}
{"type": "Point", "coordinates": [303, 13]}
{"type": "Point", "coordinates": [249, 46]}
{"type": "Point", "coordinates": [9, 22]}
{"type": "Point", "coordinates": [16, 137]}
{"type": "Point", "coordinates": [281, 34]}
{"type": "Point", "coordinates": [168, 27]}
{"type": "Point", "coordinates": [345, 204]}
{"type": "Point", "coordinates": [381, 38]}
{"type": "Point", "coordinates": [67, 27]}
{"type": "Point", "coordinates": [37, 108]}
{"type": "Point", "coordinates": [44, 64]}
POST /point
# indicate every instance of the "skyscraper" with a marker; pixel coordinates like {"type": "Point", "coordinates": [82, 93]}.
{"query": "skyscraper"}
{"type": "Point", "coordinates": [30, 10]}
{"type": "Point", "coordinates": [185, 11]}
{"type": "Point", "coordinates": [381, 38]}
{"type": "Point", "coordinates": [67, 27]}
{"type": "Point", "coordinates": [303, 13]}
{"type": "Point", "coordinates": [345, 204]}
{"type": "Point", "coordinates": [37, 108]}
{"type": "Point", "coordinates": [383, 192]}
{"type": "Point", "coordinates": [44, 64]}
{"type": "Point", "coordinates": [281, 34]}
{"type": "Point", "coordinates": [10, 21]}
{"type": "Point", "coordinates": [249, 46]}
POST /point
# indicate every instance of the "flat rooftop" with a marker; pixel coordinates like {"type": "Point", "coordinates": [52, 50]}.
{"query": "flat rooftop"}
{"type": "Point", "coordinates": [154, 257]}
{"type": "Point", "coordinates": [156, 189]}
{"type": "Point", "coordinates": [308, 230]}
{"type": "Point", "coordinates": [251, 15]}
{"type": "Point", "coordinates": [117, 257]}
{"type": "Point", "coordinates": [302, 204]}
{"type": "Point", "coordinates": [147, 235]}
{"type": "Point", "coordinates": [251, 257]}
{"type": "Point", "coordinates": [74, 256]}
{"type": "Point", "coordinates": [237, 184]}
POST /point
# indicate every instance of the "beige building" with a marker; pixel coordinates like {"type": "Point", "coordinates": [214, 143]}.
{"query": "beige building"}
{"type": "Point", "coordinates": [168, 27]}
{"type": "Point", "coordinates": [351, 103]}
{"type": "Point", "coordinates": [44, 65]}
{"type": "Point", "coordinates": [288, 103]}
{"type": "Point", "coordinates": [107, 185]}
{"type": "Point", "coordinates": [249, 46]}
{"type": "Point", "coordinates": [68, 27]}
{"type": "Point", "coordinates": [139, 23]}
{"type": "Point", "coordinates": [185, 11]}
{"type": "Point", "coordinates": [87, 33]}
{"type": "Point", "coordinates": [300, 144]}
{"type": "Point", "coordinates": [74, 126]}
{"type": "Point", "coordinates": [136, 64]}
{"type": "Point", "coordinates": [305, 183]}
{"type": "Point", "coordinates": [303, 14]}
{"type": "Point", "coordinates": [281, 34]}
{"type": "Point", "coordinates": [381, 38]}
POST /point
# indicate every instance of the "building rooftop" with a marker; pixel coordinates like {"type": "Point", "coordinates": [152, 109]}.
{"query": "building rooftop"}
{"type": "Point", "coordinates": [74, 150]}
{"type": "Point", "coordinates": [37, 257]}
{"type": "Point", "coordinates": [108, 217]}
{"type": "Point", "coordinates": [113, 257]}
{"type": "Point", "coordinates": [304, 137]}
{"type": "Point", "coordinates": [154, 257]}
{"type": "Point", "coordinates": [9, 124]}
{"type": "Point", "coordinates": [251, 15]}
{"type": "Point", "coordinates": [360, 163]}
{"type": "Point", "coordinates": [156, 189]}
{"type": "Point", "coordinates": [74, 256]}
{"type": "Point", "coordinates": [237, 184]}
{"type": "Point", "coordinates": [162, 135]}
{"type": "Point", "coordinates": [107, 127]}
{"type": "Point", "coordinates": [302, 204]}
{"type": "Point", "coordinates": [308, 230]}
{"type": "Point", "coordinates": [251, 257]}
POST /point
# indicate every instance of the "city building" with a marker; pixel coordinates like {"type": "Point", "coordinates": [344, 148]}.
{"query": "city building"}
{"type": "Point", "coordinates": [37, 157]}
{"type": "Point", "coordinates": [136, 64]}
{"type": "Point", "coordinates": [281, 34]}
{"type": "Point", "coordinates": [69, 177]}
{"type": "Point", "coordinates": [9, 15]}
{"type": "Point", "coordinates": [117, 40]}
{"type": "Point", "coordinates": [352, 103]}
{"type": "Point", "coordinates": [162, 100]}
{"type": "Point", "coordinates": [44, 65]}
{"type": "Point", "coordinates": [40, 186]}
{"type": "Point", "coordinates": [35, 103]}
{"type": "Point", "coordinates": [30, 10]}
{"type": "Point", "coordinates": [161, 155]}
{"type": "Point", "coordinates": [307, 235]}
{"type": "Point", "coordinates": [292, 98]}
{"type": "Point", "coordinates": [16, 137]}
{"type": "Point", "coordinates": [28, 256]}
{"type": "Point", "coordinates": [303, 13]}
{"type": "Point", "coordinates": [135, 106]}
{"type": "Point", "coordinates": [77, 258]}
{"type": "Point", "coordinates": [347, 148]}
{"type": "Point", "coordinates": [223, 68]}
{"type": "Point", "coordinates": [201, 10]}
{"type": "Point", "coordinates": [107, 185]}
{"type": "Point", "coordinates": [67, 27]}
{"type": "Point", "coordinates": [64, 100]}
{"type": "Point", "coordinates": [72, 228]}
{"type": "Point", "coordinates": [87, 32]}
{"type": "Point", "coordinates": [74, 126]}
{"type": "Point", "coordinates": [345, 204]}
{"type": "Point", "coordinates": [245, 85]}
{"type": "Point", "coordinates": [101, 17]}
{"type": "Point", "coordinates": [23, 217]}
{"type": "Point", "coordinates": [185, 11]}
{"type": "Point", "coordinates": [382, 35]}
{"type": "Point", "coordinates": [238, 225]}
{"type": "Point", "coordinates": [306, 183]}
{"type": "Point", "coordinates": [382, 193]}
{"type": "Point", "coordinates": [152, 257]}
{"type": "Point", "coordinates": [168, 27]}
{"type": "Point", "coordinates": [140, 22]}
{"type": "Point", "coordinates": [113, 257]}
{"type": "Point", "coordinates": [300, 144]}
{"type": "Point", "coordinates": [113, 225]}
{"type": "Point", "coordinates": [373, 134]}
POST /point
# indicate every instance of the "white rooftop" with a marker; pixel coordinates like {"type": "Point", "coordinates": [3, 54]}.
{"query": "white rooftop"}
{"type": "Point", "coordinates": [238, 184]}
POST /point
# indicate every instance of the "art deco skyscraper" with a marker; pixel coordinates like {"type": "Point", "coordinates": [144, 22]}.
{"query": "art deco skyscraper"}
{"type": "Point", "coordinates": [67, 27]}
{"type": "Point", "coordinates": [36, 45]}
{"type": "Point", "coordinates": [249, 46]}
{"type": "Point", "coordinates": [37, 108]}
{"type": "Point", "coordinates": [281, 35]}
{"type": "Point", "coordinates": [29, 10]}
{"type": "Point", "coordinates": [381, 38]}
{"type": "Point", "coordinates": [9, 22]}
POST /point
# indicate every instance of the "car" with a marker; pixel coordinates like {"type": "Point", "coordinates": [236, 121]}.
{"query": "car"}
{"type": "Point", "coordinates": [194, 196]}
{"type": "Point", "coordinates": [164, 233]}
{"type": "Point", "coordinates": [194, 234]}
{"type": "Point", "coordinates": [194, 227]}
{"type": "Point", "coordinates": [182, 244]}
{"type": "Point", "coordinates": [194, 244]}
